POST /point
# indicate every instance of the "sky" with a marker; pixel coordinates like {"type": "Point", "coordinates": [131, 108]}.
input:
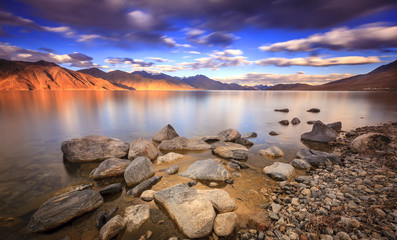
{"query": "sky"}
{"type": "Point", "coordinates": [248, 42]}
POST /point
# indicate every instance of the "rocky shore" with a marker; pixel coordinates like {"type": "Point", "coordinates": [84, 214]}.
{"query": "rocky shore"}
{"type": "Point", "coordinates": [350, 193]}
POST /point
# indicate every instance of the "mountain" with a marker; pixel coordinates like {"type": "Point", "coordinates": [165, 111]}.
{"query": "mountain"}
{"type": "Point", "coordinates": [140, 80]}
{"type": "Point", "coordinates": [42, 75]}
{"type": "Point", "coordinates": [382, 78]}
{"type": "Point", "coordinates": [262, 87]}
{"type": "Point", "coordinates": [203, 82]}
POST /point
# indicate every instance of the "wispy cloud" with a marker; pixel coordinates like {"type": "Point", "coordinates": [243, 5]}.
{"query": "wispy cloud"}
{"type": "Point", "coordinates": [128, 61]}
{"type": "Point", "coordinates": [319, 62]}
{"type": "Point", "coordinates": [218, 59]}
{"type": "Point", "coordinates": [158, 59]}
{"type": "Point", "coordinates": [373, 36]}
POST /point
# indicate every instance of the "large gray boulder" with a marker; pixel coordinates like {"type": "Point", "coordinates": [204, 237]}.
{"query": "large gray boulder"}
{"type": "Point", "coordinates": [113, 227]}
{"type": "Point", "coordinates": [112, 167]}
{"type": "Point", "coordinates": [167, 133]}
{"type": "Point", "coordinates": [93, 148]}
{"type": "Point", "coordinates": [232, 150]}
{"type": "Point", "coordinates": [139, 170]}
{"type": "Point", "coordinates": [142, 147]}
{"type": "Point", "coordinates": [220, 199]}
{"type": "Point", "coordinates": [337, 126]}
{"type": "Point", "coordinates": [135, 216]}
{"type": "Point", "coordinates": [320, 133]}
{"type": "Point", "coordinates": [60, 209]}
{"type": "Point", "coordinates": [193, 214]}
{"type": "Point", "coordinates": [229, 135]}
{"type": "Point", "coordinates": [224, 224]}
{"type": "Point", "coordinates": [317, 158]}
{"type": "Point", "coordinates": [369, 141]}
{"type": "Point", "coordinates": [182, 143]}
{"type": "Point", "coordinates": [206, 170]}
{"type": "Point", "coordinates": [279, 171]}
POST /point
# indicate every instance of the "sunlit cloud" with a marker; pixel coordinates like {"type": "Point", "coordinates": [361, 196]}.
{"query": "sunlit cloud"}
{"type": "Point", "coordinates": [372, 36]}
{"type": "Point", "coordinates": [218, 59]}
{"type": "Point", "coordinates": [318, 62]}
{"type": "Point", "coordinates": [157, 59]}
{"type": "Point", "coordinates": [89, 37]}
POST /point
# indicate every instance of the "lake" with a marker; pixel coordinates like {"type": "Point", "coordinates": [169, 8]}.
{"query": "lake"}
{"type": "Point", "coordinates": [34, 124]}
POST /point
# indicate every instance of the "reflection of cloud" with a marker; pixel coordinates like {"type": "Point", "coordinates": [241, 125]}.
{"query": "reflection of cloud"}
{"type": "Point", "coordinates": [374, 36]}
{"type": "Point", "coordinates": [319, 62]}
{"type": "Point", "coordinates": [252, 79]}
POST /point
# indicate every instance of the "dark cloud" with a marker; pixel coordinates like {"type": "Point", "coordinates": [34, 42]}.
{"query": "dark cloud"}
{"type": "Point", "coordinates": [79, 57]}
{"type": "Point", "coordinates": [7, 18]}
{"type": "Point", "coordinates": [215, 38]}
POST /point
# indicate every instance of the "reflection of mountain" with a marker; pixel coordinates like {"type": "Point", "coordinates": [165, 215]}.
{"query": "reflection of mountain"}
{"type": "Point", "coordinates": [42, 75]}
{"type": "Point", "coordinates": [382, 78]}
{"type": "Point", "coordinates": [288, 86]}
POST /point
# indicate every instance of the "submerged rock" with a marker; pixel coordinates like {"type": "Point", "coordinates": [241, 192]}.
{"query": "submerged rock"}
{"type": "Point", "coordinates": [112, 167]}
{"type": "Point", "coordinates": [182, 143]}
{"type": "Point", "coordinates": [225, 223]}
{"type": "Point", "coordinates": [145, 185]}
{"type": "Point", "coordinates": [313, 110]}
{"type": "Point", "coordinates": [295, 121]}
{"type": "Point", "coordinates": [170, 170]}
{"type": "Point", "coordinates": [320, 133]}
{"type": "Point", "coordinates": [250, 135]}
{"type": "Point", "coordinates": [279, 171]}
{"type": "Point", "coordinates": [206, 170]}
{"type": "Point", "coordinates": [112, 189]}
{"type": "Point", "coordinates": [167, 133]}
{"type": "Point", "coordinates": [337, 126]}
{"type": "Point", "coordinates": [273, 133]}
{"type": "Point", "coordinates": [60, 209]}
{"type": "Point", "coordinates": [369, 141]}
{"type": "Point", "coordinates": [300, 163]}
{"type": "Point", "coordinates": [142, 147]}
{"type": "Point", "coordinates": [93, 148]}
{"type": "Point", "coordinates": [138, 170]}
{"type": "Point", "coordinates": [113, 227]}
{"type": "Point", "coordinates": [193, 215]}
{"type": "Point", "coordinates": [229, 135]}
{"type": "Point", "coordinates": [244, 141]}
{"type": "Point", "coordinates": [272, 151]}
{"type": "Point", "coordinates": [135, 216]}
{"type": "Point", "coordinates": [104, 216]}
{"type": "Point", "coordinates": [220, 199]}
{"type": "Point", "coordinates": [284, 122]}
{"type": "Point", "coordinates": [169, 157]}
{"type": "Point", "coordinates": [232, 150]}
{"type": "Point", "coordinates": [282, 110]}
{"type": "Point", "coordinates": [318, 158]}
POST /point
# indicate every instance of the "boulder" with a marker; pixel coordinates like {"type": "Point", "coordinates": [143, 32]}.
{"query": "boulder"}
{"type": "Point", "coordinates": [241, 164]}
{"type": "Point", "coordinates": [170, 170]}
{"type": "Point", "coordinates": [250, 135]}
{"type": "Point", "coordinates": [93, 148]}
{"type": "Point", "coordinates": [111, 189]}
{"type": "Point", "coordinates": [369, 141]}
{"type": "Point", "coordinates": [167, 133]}
{"type": "Point", "coordinates": [273, 133]}
{"type": "Point", "coordinates": [211, 138]}
{"type": "Point", "coordinates": [112, 167]}
{"type": "Point", "coordinates": [224, 224]}
{"type": "Point", "coordinates": [138, 170]}
{"type": "Point", "coordinates": [60, 209]}
{"type": "Point", "coordinates": [284, 122]}
{"type": "Point", "coordinates": [169, 157]}
{"type": "Point", "coordinates": [279, 171]}
{"type": "Point", "coordinates": [300, 163]}
{"type": "Point", "coordinates": [318, 158]}
{"type": "Point", "coordinates": [229, 135]}
{"type": "Point", "coordinates": [193, 215]}
{"type": "Point", "coordinates": [295, 121]}
{"type": "Point", "coordinates": [260, 221]}
{"type": "Point", "coordinates": [272, 151]}
{"type": "Point", "coordinates": [244, 141]}
{"type": "Point", "coordinates": [113, 227]}
{"type": "Point", "coordinates": [320, 133]}
{"type": "Point", "coordinates": [104, 216]}
{"type": "Point", "coordinates": [182, 143]}
{"type": "Point", "coordinates": [147, 195]}
{"type": "Point", "coordinates": [232, 150]}
{"type": "Point", "coordinates": [337, 126]}
{"type": "Point", "coordinates": [142, 147]}
{"type": "Point", "coordinates": [313, 110]}
{"type": "Point", "coordinates": [220, 199]}
{"type": "Point", "coordinates": [282, 110]}
{"type": "Point", "coordinates": [145, 185]}
{"type": "Point", "coordinates": [206, 170]}
{"type": "Point", "coordinates": [135, 216]}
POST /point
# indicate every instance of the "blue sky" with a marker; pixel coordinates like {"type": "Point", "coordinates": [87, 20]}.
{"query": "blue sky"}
{"type": "Point", "coordinates": [248, 42]}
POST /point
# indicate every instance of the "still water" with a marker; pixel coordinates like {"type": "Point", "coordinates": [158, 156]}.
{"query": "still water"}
{"type": "Point", "coordinates": [33, 125]}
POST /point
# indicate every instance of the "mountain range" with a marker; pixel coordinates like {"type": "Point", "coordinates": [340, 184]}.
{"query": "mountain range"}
{"type": "Point", "coordinates": [42, 75]}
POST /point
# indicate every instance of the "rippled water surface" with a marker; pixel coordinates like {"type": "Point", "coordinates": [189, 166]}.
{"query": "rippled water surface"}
{"type": "Point", "coordinates": [33, 125]}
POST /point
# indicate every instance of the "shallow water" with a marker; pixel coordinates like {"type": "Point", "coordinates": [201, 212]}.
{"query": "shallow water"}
{"type": "Point", "coordinates": [33, 125]}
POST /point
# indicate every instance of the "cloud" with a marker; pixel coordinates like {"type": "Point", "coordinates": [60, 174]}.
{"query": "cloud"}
{"type": "Point", "coordinates": [7, 18]}
{"type": "Point", "coordinates": [157, 59]}
{"type": "Point", "coordinates": [218, 59]}
{"type": "Point", "coordinates": [128, 61]}
{"type": "Point", "coordinates": [374, 36]}
{"type": "Point", "coordinates": [215, 38]}
{"type": "Point", "coordinates": [15, 53]}
{"type": "Point", "coordinates": [49, 50]}
{"type": "Point", "coordinates": [319, 62]}
{"type": "Point", "coordinates": [252, 79]}
{"type": "Point", "coordinates": [193, 52]}
{"type": "Point", "coordinates": [89, 37]}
